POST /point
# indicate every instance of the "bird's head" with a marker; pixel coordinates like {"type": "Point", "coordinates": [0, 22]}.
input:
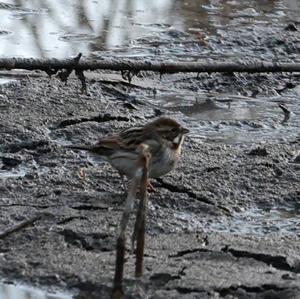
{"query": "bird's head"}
{"type": "Point", "coordinates": [169, 129]}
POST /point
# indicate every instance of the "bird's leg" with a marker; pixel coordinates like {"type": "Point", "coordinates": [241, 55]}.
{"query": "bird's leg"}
{"type": "Point", "coordinates": [150, 187]}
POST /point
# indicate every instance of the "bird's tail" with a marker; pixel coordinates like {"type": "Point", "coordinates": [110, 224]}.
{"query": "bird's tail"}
{"type": "Point", "coordinates": [96, 149]}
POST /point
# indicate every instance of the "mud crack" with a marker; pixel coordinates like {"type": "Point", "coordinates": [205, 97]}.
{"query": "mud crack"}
{"type": "Point", "coordinates": [70, 219]}
{"type": "Point", "coordinates": [269, 290]}
{"type": "Point", "coordinates": [184, 290]}
{"type": "Point", "coordinates": [90, 207]}
{"type": "Point", "coordinates": [277, 261]}
{"type": "Point", "coordinates": [29, 145]}
{"type": "Point", "coordinates": [182, 189]}
{"type": "Point", "coordinates": [189, 251]}
{"type": "Point", "coordinates": [160, 279]}
{"type": "Point", "coordinates": [99, 118]}
{"type": "Point", "coordinates": [243, 291]}
{"type": "Point", "coordinates": [90, 241]}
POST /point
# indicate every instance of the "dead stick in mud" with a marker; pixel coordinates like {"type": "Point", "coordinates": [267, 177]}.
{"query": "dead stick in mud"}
{"type": "Point", "coordinates": [139, 180]}
{"type": "Point", "coordinates": [52, 65]}
{"type": "Point", "coordinates": [119, 270]}
{"type": "Point", "coordinates": [140, 224]}
{"type": "Point", "coordinates": [286, 112]}
{"type": "Point", "coordinates": [21, 225]}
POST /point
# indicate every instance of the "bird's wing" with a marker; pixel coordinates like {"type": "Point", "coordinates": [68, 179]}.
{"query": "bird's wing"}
{"type": "Point", "coordinates": [104, 147]}
{"type": "Point", "coordinates": [113, 144]}
{"type": "Point", "coordinates": [127, 140]}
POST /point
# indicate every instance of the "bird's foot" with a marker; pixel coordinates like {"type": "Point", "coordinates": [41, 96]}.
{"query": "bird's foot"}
{"type": "Point", "coordinates": [150, 187]}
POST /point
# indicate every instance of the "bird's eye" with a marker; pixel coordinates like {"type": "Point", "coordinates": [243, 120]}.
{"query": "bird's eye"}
{"type": "Point", "coordinates": [173, 130]}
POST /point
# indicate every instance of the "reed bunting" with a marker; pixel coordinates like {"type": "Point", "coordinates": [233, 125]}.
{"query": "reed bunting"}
{"type": "Point", "coordinates": [163, 138]}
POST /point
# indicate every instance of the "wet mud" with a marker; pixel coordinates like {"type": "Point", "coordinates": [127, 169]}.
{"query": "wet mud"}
{"type": "Point", "coordinates": [224, 224]}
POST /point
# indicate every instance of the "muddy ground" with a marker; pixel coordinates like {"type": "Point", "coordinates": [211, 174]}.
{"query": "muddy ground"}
{"type": "Point", "coordinates": [73, 246]}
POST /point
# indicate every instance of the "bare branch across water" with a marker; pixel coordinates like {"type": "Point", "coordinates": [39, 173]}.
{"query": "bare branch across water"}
{"type": "Point", "coordinates": [129, 68]}
{"type": "Point", "coordinates": [53, 65]}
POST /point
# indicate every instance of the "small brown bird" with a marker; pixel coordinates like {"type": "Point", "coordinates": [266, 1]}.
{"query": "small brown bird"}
{"type": "Point", "coordinates": [163, 138]}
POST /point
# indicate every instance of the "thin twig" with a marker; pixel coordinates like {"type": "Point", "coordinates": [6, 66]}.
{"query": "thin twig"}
{"type": "Point", "coordinates": [17, 227]}
{"type": "Point", "coordinates": [81, 77]}
{"type": "Point", "coordinates": [140, 226]}
{"type": "Point", "coordinates": [119, 270]}
{"type": "Point", "coordinates": [142, 207]}
{"type": "Point", "coordinates": [64, 74]}
{"type": "Point", "coordinates": [139, 180]}
{"type": "Point", "coordinates": [121, 242]}
{"type": "Point", "coordinates": [128, 74]}
{"type": "Point", "coordinates": [286, 112]}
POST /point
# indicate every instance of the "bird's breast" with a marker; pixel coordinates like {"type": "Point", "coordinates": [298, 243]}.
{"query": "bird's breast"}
{"type": "Point", "coordinates": [163, 162]}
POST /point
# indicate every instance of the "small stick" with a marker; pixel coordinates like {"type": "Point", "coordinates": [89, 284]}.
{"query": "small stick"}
{"type": "Point", "coordinates": [121, 242]}
{"type": "Point", "coordinates": [286, 112]}
{"type": "Point", "coordinates": [140, 244]}
{"type": "Point", "coordinates": [17, 227]}
{"type": "Point", "coordinates": [63, 75]}
{"type": "Point", "coordinates": [120, 261]}
{"type": "Point", "coordinates": [81, 77]}
{"type": "Point", "coordinates": [140, 224]}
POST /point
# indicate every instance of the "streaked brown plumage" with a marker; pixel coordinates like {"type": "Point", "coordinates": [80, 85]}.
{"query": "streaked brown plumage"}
{"type": "Point", "coordinates": [163, 136]}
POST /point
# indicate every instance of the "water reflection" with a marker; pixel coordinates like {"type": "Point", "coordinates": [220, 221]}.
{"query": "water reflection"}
{"type": "Point", "coordinates": [260, 222]}
{"type": "Point", "coordinates": [255, 221]}
{"type": "Point", "coordinates": [63, 28]}
{"type": "Point", "coordinates": [11, 291]}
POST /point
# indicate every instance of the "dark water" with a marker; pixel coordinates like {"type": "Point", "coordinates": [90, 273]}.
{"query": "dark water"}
{"type": "Point", "coordinates": [62, 28]}
{"type": "Point", "coordinates": [59, 28]}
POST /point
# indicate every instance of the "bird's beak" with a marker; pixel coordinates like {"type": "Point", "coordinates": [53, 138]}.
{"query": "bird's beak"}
{"type": "Point", "coordinates": [185, 130]}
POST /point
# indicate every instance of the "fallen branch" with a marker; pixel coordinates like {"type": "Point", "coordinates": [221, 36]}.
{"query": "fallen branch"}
{"type": "Point", "coordinates": [129, 69]}
{"type": "Point", "coordinates": [52, 65]}
{"type": "Point", "coordinates": [63, 68]}
{"type": "Point", "coordinates": [17, 227]}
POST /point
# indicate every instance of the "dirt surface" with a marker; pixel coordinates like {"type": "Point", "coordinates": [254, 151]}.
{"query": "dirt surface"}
{"type": "Point", "coordinates": [190, 250]}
